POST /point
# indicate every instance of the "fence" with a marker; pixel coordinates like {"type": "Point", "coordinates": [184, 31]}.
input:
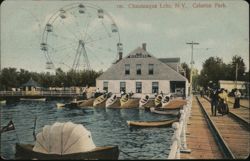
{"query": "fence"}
{"type": "Point", "coordinates": [39, 93]}
{"type": "Point", "coordinates": [179, 138]}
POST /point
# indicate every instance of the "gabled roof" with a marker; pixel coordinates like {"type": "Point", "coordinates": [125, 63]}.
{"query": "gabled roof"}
{"type": "Point", "coordinates": [140, 56]}
{"type": "Point", "coordinates": [170, 60]}
{"type": "Point", "coordinates": [174, 63]}
{"type": "Point", "coordinates": [31, 83]}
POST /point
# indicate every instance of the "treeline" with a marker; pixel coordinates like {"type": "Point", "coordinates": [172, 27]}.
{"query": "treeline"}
{"type": "Point", "coordinates": [13, 78]}
{"type": "Point", "coordinates": [214, 69]}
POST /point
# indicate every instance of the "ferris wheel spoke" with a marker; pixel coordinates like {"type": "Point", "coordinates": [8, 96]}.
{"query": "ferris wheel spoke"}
{"type": "Point", "coordinates": [106, 29]}
{"type": "Point", "coordinates": [98, 39]}
{"type": "Point", "coordinates": [69, 31]}
{"type": "Point", "coordinates": [63, 37]}
{"type": "Point", "coordinates": [107, 50]}
{"type": "Point", "coordinates": [96, 57]}
{"type": "Point", "coordinates": [87, 26]}
{"type": "Point", "coordinates": [99, 33]}
{"type": "Point", "coordinates": [64, 46]}
{"type": "Point", "coordinates": [76, 24]}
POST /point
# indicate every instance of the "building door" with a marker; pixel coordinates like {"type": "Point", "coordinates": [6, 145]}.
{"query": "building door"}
{"type": "Point", "coordinates": [178, 87]}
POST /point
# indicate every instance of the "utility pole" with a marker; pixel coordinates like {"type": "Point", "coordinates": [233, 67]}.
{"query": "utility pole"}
{"type": "Point", "coordinates": [236, 74]}
{"type": "Point", "coordinates": [192, 62]}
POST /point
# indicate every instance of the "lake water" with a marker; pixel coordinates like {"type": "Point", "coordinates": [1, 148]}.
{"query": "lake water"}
{"type": "Point", "coordinates": [107, 126]}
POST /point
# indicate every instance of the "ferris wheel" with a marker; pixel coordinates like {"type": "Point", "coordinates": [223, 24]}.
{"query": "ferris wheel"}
{"type": "Point", "coordinates": [80, 36]}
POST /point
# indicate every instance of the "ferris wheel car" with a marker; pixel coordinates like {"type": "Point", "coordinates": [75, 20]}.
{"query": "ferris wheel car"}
{"type": "Point", "coordinates": [81, 8]}
{"type": "Point", "coordinates": [49, 27]}
{"type": "Point", "coordinates": [62, 13]}
{"type": "Point", "coordinates": [114, 28]}
{"type": "Point", "coordinates": [119, 47]}
{"type": "Point", "coordinates": [49, 65]}
{"type": "Point", "coordinates": [100, 13]}
{"type": "Point", "coordinates": [44, 46]}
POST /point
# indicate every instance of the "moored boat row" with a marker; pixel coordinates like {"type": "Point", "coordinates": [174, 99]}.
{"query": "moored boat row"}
{"type": "Point", "coordinates": [109, 100]}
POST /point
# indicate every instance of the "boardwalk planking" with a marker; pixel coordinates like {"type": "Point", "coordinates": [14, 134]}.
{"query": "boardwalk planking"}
{"type": "Point", "coordinates": [200, 140]}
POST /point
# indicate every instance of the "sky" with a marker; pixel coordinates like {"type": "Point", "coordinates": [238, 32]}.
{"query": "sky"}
{"type": "Point", "coordinates": [220, 27]}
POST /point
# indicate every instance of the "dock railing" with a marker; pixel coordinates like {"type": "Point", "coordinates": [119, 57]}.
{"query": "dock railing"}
{"type": "Point", "coordinates": [179, 144]}
{"type": "Point", "coordinates": [40, 93]}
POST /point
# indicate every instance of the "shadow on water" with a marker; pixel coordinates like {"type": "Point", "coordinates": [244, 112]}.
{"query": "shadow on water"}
{"type": "Point", "coordinates": [107, 126]}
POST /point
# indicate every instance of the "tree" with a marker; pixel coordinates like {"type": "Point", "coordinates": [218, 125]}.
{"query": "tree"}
{"type": "Point", "coordinates": [241, 68]}
{"type": "Point", "coordinates": [186, 69]}
{"type": "Point", "coordinates": [212, 70]}
{"type": "Point", "coordinates": [9, 78]}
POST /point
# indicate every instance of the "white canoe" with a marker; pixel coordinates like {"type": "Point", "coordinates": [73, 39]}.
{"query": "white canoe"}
{"type": "Point", "coordinates": [60, 105]}
{"type": "Point", "coordinates": [100, 100]}
{"type": "Point", "coordinates": [158, 99]}
{"type": "Point", "coordinates": [165, 100]}
{"type": "Point", "coordinates": [165, 111]}
{"type": "Point", "coordinates": [2, 102]}
{"type": "Point", "coordinates": [144, 100]}
{"type": "Point", "coordinates": [33, 99]}
{"type": "Point", "coordinates": [124, 99]}
{"type": "Point", "coordinates": [110, 101]}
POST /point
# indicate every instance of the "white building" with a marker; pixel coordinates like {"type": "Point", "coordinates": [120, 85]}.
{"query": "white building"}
{"type": "Point", "coordinates": [141, 73]}
{"type": "Point", "coordinates": [229, 85]}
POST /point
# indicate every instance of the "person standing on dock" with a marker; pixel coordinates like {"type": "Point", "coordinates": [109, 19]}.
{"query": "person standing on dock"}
{"type": "Point", "coordinates": [214, 100]}
{"type": "Point", "coordinates": [237, 96]}
{"type": "Point", "coordinates": [223, 102]}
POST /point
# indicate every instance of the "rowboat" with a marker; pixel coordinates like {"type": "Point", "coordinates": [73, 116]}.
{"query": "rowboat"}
{"type": "Point", "coordinates": [159, 123]}
{"type": "Point", "coordinates": [164, 111]}
{"type": "Point", "coordinates": [86, 103]}
{"type": "Point", "coordinates": [124, 99]}
{"type": "Point", "coordinates": [2, 102]}
{"type": "Point", "coordinates": [25, 152]}
{"type": "Point", "coordinates": [158, 99]}
{"type": "Point", "coordinates": [33, 99]}
{"type": "Point", "coordinates": [72, 104]}
{"type": "Point", "coordinates": [165, 100]}
{"type": "Point", "coordinates": [144, 99]}
{"type": "Point", "coordinates": [65, 141]}
{"type": "Point", "coordinates": [113, 102]}
{"type": "Point", "coordinates": [60, 105]}
{"type": "Point", "coordinates": [100, 101]}
{"type": "Point", "coordinates": [127, 102]}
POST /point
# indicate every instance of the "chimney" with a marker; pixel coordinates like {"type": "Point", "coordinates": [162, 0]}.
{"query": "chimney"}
{"type": "Point", "coordinates": [144, 46]}
{"type": "Point", "coordinates": [120, 56]}
{"type": "Point", "coordinates": [119, 49]}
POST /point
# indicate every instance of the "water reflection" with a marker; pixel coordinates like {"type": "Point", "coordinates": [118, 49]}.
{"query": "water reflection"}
{"type": "Point", "coordinates": [108, 127]}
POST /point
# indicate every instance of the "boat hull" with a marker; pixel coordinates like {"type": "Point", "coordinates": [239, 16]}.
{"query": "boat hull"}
{"type": "Point", "coordinates": [130, 103]}
{"type": "Point", "coordinates": [116, 104]}
{"type": "Point", "coordinates": [162, 111]}
{"type": "Point", "coordinates": [33, 99]}
{"type": "Point", "coordinates": [85, 103]}
{"type": "Point", "coordinates": [2, 102]}
{"type": "Point", "coordinates": [24, 151]}
{"type": "Point", "coordinates": [161, 123]}
{"type": "Point", "coordinates": [100, 104]}
{"type": "Point", "coordinates": [149, 104]}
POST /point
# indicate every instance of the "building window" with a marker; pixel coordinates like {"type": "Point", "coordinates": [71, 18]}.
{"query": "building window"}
{"type": "Point", "coordinates": [151, 69]}
{"type": "Point", "coordinates": [105, 86]}
{"type": "Point", "coordinates": [123, 87]}
{"type": "Point", "coordinates": [155, 87]}
{"type": "Point", "coordinates": [138, 69]}
{"type": "Point", "coordinates": [127, 69]}
{"type": "Point", "coordinates": [138, 87]}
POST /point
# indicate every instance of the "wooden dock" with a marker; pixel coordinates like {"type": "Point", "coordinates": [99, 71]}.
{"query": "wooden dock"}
{"type": "Point", "coordinates": [7, 95]}
{"type": "Point", "coordinates": [231, 134]}
{"type": "Point", "coordinates": [199, 138]}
